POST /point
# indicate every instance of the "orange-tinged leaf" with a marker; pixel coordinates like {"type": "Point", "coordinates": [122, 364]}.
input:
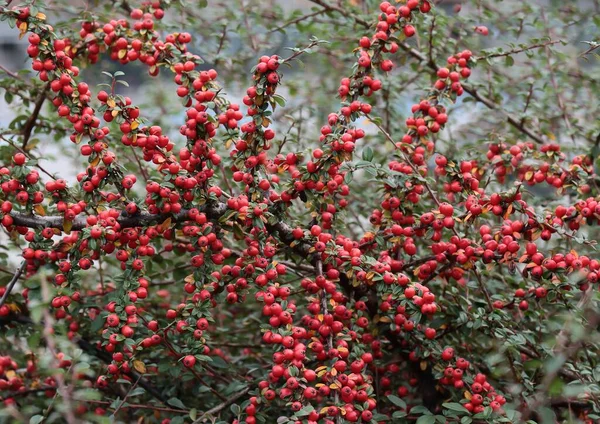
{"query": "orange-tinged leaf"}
{"type": "Point", "coordinates": [39, 209]}
{"type": "Point", "coordinates": [41, 16]}
{"type": "Point", "coordinates": [423, 365]}
{"type": "Point", "coordinates": [139, 366]}
{"type": "Point", "coordinates": [135, 125]}
{"type": "Point", "coordinates": [14, 307]}
{"type": "Point", "coordinates": [10, 374]}
{"type": "Point", "coordinates": [23, 29]}
{"type": "Point", "coordinates": [467, 395]}
{"type": "Point", "coordinates": [165, 224]}
{"type": "Point", "coordinates": [95, 161]}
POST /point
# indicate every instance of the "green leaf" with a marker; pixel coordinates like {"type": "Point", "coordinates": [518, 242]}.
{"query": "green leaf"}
{"type": "Point", "coordinates": [176, 403]}
{"type": "Point", "coordinates": [509, 61]}
{"type": "Point", "coordinates": [397, 401]}
{"type": "Point", "coordinates": [454, 406]}
{"type": "Point", "coordinates": [36, 419]}
{"type": "Point", "coordinates": [426, 419]}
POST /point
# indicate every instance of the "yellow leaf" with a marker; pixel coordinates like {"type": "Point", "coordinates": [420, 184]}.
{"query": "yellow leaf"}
{"type": "Point", "coordinates": [78, 138]}
{"type": "Point", "coordinates": [139, 366]}
{"type": "Point", "coordinates": [41, 16]}
{"type": "Point", "coordinates": [67, 225]}
{"type": "Point", "coordinates": [189, 279]}
{"type": "Point", "coordinates": [14, 307]}
{"type": "Point", "coordinates": [135, 125]}
{"type": "Point", "coordinates": [10, 374]}
{"type": "Point", "coordinates": [111, 103]}
{"type": "Point", "coordinates": [122, 53]}
{"type": "Point", "coordinates": [39, 209]}
{"type": "Point", "coordinates": [467, 395]}
{"type": "Point", "coordinates": [23, 29]}
{"type": "Point", "coordinates": [323, 410]}
{"type": "Point", "coordinates": [114, 113]}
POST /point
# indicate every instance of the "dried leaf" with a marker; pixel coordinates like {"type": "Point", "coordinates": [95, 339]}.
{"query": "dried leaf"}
{"type": "Point", "coordinates": [139, 366]}
{"type": "Point", "coordinates": [39, 209]}
{"type": "Point", "coordinates": [67, 225]}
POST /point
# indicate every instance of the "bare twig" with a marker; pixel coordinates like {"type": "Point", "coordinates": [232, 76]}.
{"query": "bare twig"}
{"type": "Point", "coordinates": [299, 19]}
{"type": "Point", "coordinates": [517, 51]}
{"type": "Point", "coordinates": [12, 282]}
{"type": "Point", "coordinates": [30, 123]}
{"type": "Point", "coordinates": [221, 406]}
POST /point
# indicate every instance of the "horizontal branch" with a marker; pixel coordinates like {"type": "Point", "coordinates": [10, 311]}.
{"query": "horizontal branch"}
{"type": "Point", "coordinates": [213, 211]}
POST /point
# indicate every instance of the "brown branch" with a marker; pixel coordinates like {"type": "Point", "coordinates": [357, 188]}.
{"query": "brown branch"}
{"type": "Point", "coordinates": [299, 19]}
{"type": "Point", "coordinates": [517, 51]}
{"type": "Point", "coordinates": [12, 282]}
{"type": "Point", "coordinates": [222, 405]}
{"type": "Point", "coordinates": [30, 123]}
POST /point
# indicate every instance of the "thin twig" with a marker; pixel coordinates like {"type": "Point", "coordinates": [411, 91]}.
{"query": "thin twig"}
{"type": "Point", "coordinates": [222, 405]}
{"type": "Point", "coordinates": [517, 51]}
{"type": "Point", "coordinates": [30, 123]}
{"type": "Point", "coordinates": [12, 282]}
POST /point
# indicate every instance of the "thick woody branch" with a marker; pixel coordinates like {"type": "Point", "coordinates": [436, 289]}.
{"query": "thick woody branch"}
{"type": "Point", "coordinates": [213, 211]}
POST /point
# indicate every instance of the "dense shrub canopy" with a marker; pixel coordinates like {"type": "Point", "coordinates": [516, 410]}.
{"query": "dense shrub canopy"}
{"type": "Point", "coordinates": [392, 220]}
